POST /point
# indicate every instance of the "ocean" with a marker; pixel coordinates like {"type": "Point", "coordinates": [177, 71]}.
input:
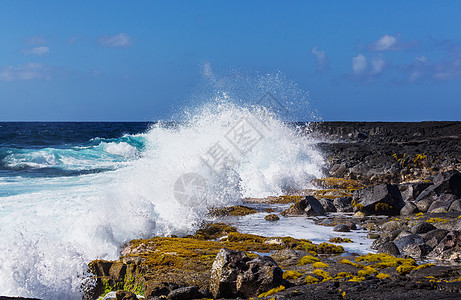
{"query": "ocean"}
{"type": "Point", "coordinates": [73, 192]}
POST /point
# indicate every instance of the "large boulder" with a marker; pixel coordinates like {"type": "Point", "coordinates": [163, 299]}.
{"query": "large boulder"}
{"type": "Point", "coordinates": [381, 199]}
{"type": "Point", "coordinates": [308, 205]}
{"type": "Point", "coordinates": [408, 243]}
{"type": "Point", "coordinates": [449, 248]}
{"type": "Point", "coordinates": [444, 183]}
{"type": "Point", "coordinates": [234, 274]}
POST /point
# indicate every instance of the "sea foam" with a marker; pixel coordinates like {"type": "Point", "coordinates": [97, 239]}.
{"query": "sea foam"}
{"type": "Point", "coordinates": [51, 230]}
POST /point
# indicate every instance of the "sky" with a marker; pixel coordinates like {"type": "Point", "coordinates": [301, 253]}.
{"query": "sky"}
{"type": "Point", "coordinates": [143, 60]}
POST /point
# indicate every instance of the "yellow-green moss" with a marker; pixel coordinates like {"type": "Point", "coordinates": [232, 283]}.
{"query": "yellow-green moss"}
{"type": "Point", "coordinates": [324, 274]}
{"type": "Point", "coordinates": [437, 220]}
{"type": "Point", "coordinates": [382, 276]}
{"type": "Point", "coordinates": [404, 269]}
{"type": "Point", "coordinates": [308, 259]}
{"type": "Point", "coordinates": [319, 264]}
{"type": "Point", "coordinates": [358, 206]}
{"type": "Point", "coordinates": [382, 207]}
{"type": "Point", "coordinates": [271, 292]}
{"type": "Point", "coordinates": [213, 231]}
{"type": "Point", "coordinates": [239, 210]}
{"type": "Point", "coordinates": [384, 260]}
{"type": "Point", "coordinates": [343, 275]}
{"type": "Point", "coordinates": [357, 279]}
{"type": "Point", "coordinates": [348, 262]}
{"type": "Point", "coordinates": [325, 248]}
{"type": "Point", "coordinates": [423, 266]}
{"type": "Point", "coordinates": [340, 240]}
{"type": "Point", "coordinates": [338, 183]}
{"type": "Point", "coordinates": [311, 279]}
{"type": "Point", "coordinates": [290, 274]}
{"type": "Point", "coordinates": [242, 237]}
{"type": "Point", "coordinates": [367, 271]}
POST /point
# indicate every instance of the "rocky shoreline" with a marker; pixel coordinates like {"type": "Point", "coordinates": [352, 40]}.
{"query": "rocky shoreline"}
{"type": "Point", "coordinates": [399, 181]}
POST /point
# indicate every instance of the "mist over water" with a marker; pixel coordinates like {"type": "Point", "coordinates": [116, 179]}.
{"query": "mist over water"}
{"type": "Point", "coordinates": [52, 226]}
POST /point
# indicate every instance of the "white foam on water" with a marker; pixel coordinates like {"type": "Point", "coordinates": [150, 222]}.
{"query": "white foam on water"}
{"type": "Point", "coordinates": [51, 230]}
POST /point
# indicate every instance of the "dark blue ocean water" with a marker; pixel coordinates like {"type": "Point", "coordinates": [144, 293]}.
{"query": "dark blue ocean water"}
{"type": "Point", "coordinates": [66, 148]}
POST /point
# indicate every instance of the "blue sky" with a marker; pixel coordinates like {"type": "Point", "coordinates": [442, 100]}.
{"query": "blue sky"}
{"type": "Point", "coordinates": [141, 60]}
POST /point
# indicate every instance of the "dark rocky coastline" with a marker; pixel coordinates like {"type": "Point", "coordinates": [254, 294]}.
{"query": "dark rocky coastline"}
{"type": "Point", "coordinates": [400, 181]}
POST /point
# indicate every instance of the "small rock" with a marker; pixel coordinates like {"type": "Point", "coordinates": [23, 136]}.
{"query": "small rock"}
{"type": "Point", "coordinates": [394, 234]}
{"type": "Point", "coordinates": [422, 227]}
{"type": "Point", "coordinates": [185, 293]}
{"type": "Point", "coordinates": [343, 204]}
{"type": "Point", "coordinates": [327, 205]}
{"type": "Point", "coordinates": [434, 237]}
{"type": "Point", "coordinates": [408, 241]}
{"type": "Point", "coordinates": [424, 204]}
{"type": "Point", "coordinates": [286, 256]}
{"type": "Point", "coordinates": [391, 226]}
{"type": "Point", "coordinates": [125, 295]}
{"type": "Point", "coordinates": [234, 274]}
{"type": "Point", "coordinates": [372, 236]}
{"type": "Point", "coordinates": [439, 205]}
{"type": "Point", "coordinates": [309, 205]}
{"type": "Point", "coordinates": [341, 228]}
{"type": "Point", "coordinates": [379, 242]}
{"type": "Point", "coordinates": [359, 214]}
{"type": "Point", "coordinates": [271, 217]}
{"type": "Point", "coordinates": [389, 248]}
{"type": "Point", "coordinates": [273, 241]}
{"type": "Point", "coordinates": [352, 225]}
{"type": "Point", "coordinates": [314, 207]}
{"type": "Point", "coordinates": [409, 209]}
{"type": "Point", "coordinates": [455, 206]}
{"type": "Point", "coordinates": [417, 251]}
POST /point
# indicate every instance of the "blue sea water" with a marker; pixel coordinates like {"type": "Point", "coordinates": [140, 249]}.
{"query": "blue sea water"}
{"type": "Point", "coordinates": [74, 192]}
{"type": "Point", "coordinates": [53, 149]}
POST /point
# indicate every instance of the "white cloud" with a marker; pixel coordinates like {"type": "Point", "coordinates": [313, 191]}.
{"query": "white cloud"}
{"type": "Point", "coordinates": [36, 51]}
{"type": "Point", "coordinates": [36, 40]}
{"type": "Point", "coordinates": [322, 60]}
{"type": "Point", "coordinates": [119, 40]}
{"type": "Point", "coordinates": [377, 65]}
{"type": "Point", "coordinates": [386, 42]}
{"type": "Point", "coordinates": [359, 64]}
{"type": "Point", "coordinates": [24, 72]}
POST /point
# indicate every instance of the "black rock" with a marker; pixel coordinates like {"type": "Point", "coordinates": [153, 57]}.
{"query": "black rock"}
{"type": "Point", "coordinates": [389, 248]}
{"type": "Point", "coordinates": [409, 209]}
{"type": "Point", "coordinates": [234, 274]}
{"type": "Point", "coordinates": [449, 248]}
{"type": "Point", "coordinates": [125, 295]}
{"type": "Point", "coordinates": [422, 227]}
{"type": "Point", "coordinates": [412, 190]}
{"type": "Point", "coordinates": [455, 206]}
{"type": "Point", "coordinates": [343, 204]}
{"type": "Point", "coordinates": [307, 206]}
{"type": "Point", "coordinates": [185, 293]}
{"type": "Point", "coordinates": [434, 237]}
{"type": "Point", "coordinates": [408, 241]}
{"type": "Point", "coordinates": [381, 199]}
{"type": "Point", "coordinates": [342, 228]}
{"type": "Point", "coordinates": [327, 205]}
{"type": "Point", "coordinates": [314, 207]}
